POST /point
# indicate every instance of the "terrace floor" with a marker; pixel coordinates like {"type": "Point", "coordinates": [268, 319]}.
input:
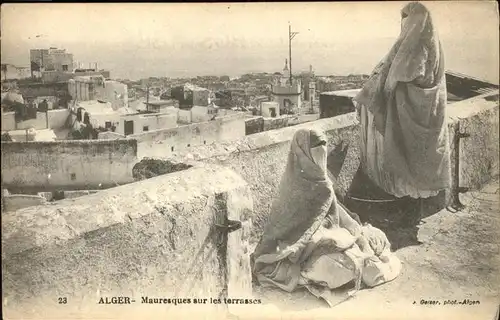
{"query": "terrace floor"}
{"type": "Point", "coordinates": [454, 256]}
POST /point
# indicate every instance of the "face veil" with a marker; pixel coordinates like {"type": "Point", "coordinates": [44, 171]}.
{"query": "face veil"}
{"type": "Point", "coordinates": [305, 192]}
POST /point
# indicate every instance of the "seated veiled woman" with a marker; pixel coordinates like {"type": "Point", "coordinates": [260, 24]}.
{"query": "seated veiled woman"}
{"type": "Point", "coordinates": [310, 240]}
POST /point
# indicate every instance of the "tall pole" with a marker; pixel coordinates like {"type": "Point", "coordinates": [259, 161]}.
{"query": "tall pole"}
{"type": "Point", "coordinates": [291, 35]}
{"type": "Point", "coordinates": [290, 50]}
{"type": "Point", "coordinates": [41, 59]}
{"type": "Point", "coordinates": [147, 96]}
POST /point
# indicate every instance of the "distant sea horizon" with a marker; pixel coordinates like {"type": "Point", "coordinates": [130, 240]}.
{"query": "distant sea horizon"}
{"type": "Point", "coordinates": [479, 58]}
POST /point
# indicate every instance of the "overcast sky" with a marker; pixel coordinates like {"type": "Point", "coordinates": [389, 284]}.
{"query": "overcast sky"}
{"type": "Point", "coordinates": [134, 39]}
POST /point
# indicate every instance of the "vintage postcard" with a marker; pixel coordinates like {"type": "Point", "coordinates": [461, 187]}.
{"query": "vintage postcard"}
{"type": "Point", "coordinates": [292, 160]}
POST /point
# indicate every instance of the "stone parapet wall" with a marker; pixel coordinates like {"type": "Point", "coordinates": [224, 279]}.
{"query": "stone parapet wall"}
{"type": "Point", "coordinates": [155, 238]}
{"type": "Point", "coordinates": [168, 142]}
{"type": "Point", "coordinates": [145, 238]}
{"type": "Point", "coordinates": [261, 158]}
{"type": "Point", "coordinates": [13, 202]}
{"type": "Point", "coordinates": [67, 165]}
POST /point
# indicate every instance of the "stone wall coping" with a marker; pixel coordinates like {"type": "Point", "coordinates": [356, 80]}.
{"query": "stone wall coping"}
{"type": "Point", "coordinates": [67, 219]}
{"type": "Point", "coordinates": [48, 111]}
{"type": "Point", "coordinates": [69, 142]}
{"type": "Point", "coordinates": [145, 136]}
{"type": "Point", "coordinates": [24, 196]}
{"type": "Point", "coordinates": [473, 106]}
{"type": "Point", "coordinates": [455, 111]}
{"type": "Point", "coordinates": [259, 140]}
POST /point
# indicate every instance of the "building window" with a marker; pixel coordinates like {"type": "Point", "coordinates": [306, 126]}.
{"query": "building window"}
{"type": "Point", "coordinates": [172, 149]}
{"type": "Point", "coordinates": [91, 91]}
{"type": "Point", "coordinates": [107, 125]}
{"type": "Point", "coordinates": [273, 112]}
{"type": "Point", "coordinates": [86, 118]}
{"type": "Point", "coordinates": [189, 145]}
{"type": "Point", "coordinates": [73, 176]}
{"type": "Point", "coordinates": [145, 128]}
{"type": "Point", "coordinates": [204, 141]}
{"type": "Point", "coordinates": [79, 112]}
{"type": "Point", "coordinates": [65, 67]}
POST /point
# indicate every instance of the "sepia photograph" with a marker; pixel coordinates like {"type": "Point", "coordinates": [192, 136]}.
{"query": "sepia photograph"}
{"type": "Point", "coordinates": [250, 160]}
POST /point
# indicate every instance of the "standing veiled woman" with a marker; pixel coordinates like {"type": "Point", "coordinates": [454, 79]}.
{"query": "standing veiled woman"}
{"type": "Point", "coordinates": [404, 134]}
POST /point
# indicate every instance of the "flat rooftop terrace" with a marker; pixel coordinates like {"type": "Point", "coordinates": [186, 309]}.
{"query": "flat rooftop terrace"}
{"type": "Point", "coordinates": [448, 256]}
